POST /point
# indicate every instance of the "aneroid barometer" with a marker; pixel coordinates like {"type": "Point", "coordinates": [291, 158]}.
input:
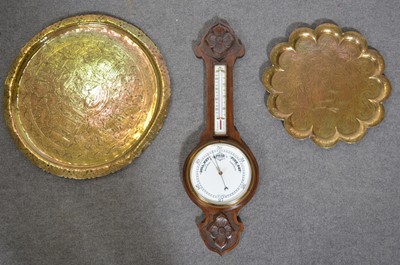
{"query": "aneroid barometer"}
{"type": "Point", "coordinates": [221, 173]}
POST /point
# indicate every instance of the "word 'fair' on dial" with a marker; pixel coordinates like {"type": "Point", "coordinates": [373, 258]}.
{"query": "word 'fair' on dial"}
{"type": "Point", "coordinates": [220, 174]}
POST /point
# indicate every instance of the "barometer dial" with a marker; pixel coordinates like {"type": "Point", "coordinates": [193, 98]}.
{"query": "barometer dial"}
{"type": "Point", "coordinates": [220, 174]}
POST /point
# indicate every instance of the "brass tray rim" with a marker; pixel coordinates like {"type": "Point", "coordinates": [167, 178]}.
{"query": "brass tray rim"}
{"type": "Point", "coordinates": [161, 111]}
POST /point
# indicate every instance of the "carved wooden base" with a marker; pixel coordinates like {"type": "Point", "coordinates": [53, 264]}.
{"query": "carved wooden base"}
{"type": "Point", "coordinates": [221, 231]}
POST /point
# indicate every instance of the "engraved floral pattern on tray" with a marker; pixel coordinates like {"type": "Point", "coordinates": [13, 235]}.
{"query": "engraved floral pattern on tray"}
{"type": "Point", "coordinates": [326, 85]}
{"type": "Point", "coordinates": [78, 105]}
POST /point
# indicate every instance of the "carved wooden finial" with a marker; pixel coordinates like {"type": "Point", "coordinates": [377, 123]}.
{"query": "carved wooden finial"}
{"type": "Point", "coordinates": [219, 43]}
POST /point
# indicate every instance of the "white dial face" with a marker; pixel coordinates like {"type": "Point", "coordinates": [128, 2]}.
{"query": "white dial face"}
{"type": "Point", "coordinates": [220, 173]}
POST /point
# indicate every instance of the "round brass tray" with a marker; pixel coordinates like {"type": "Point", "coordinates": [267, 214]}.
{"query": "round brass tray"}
{"type": "Point", "coordinates": [86, 96]}
{"type": "Point", "coordinates": [327, 85]}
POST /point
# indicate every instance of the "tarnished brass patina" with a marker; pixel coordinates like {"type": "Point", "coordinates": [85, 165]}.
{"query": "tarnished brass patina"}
{"type": "Point", "coordinates": [86, 96]}
{"type": "Point", "coordinates": [327, 85]}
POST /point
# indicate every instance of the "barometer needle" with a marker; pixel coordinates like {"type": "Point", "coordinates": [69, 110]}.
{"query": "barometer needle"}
{"type": "Point", "coordinates": [219, 171]}
{"type": "Point", "coordinates": [225, 187]}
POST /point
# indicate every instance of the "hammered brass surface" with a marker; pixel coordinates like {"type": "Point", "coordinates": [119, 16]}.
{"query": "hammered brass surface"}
{"type": "Point", "coordinates": [326, 85]}
{"type": "Point", "coordinates": [87, 96]}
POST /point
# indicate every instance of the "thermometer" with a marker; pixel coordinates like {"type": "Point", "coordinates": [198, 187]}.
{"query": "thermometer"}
{"type": "Point", "coordinates": [220, 99]}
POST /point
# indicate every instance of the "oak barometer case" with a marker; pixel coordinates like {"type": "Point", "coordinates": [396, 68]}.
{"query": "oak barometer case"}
{"type": "Point", "coordinates": [221, 173]}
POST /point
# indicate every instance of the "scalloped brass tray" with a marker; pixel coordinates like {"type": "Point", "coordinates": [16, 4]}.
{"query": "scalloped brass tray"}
{"type": "Point", "coordinates": [326, 85]}
{"type": "Point", "coordinates": [86, 96]}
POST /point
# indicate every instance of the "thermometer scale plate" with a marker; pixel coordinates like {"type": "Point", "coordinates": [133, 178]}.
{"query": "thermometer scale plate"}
{"type": "Point", "coordinates": [220, 99]}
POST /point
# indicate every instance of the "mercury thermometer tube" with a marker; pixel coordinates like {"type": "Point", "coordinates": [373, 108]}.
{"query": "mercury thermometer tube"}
{"type": "Point", "coordinates": [220, 99]}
